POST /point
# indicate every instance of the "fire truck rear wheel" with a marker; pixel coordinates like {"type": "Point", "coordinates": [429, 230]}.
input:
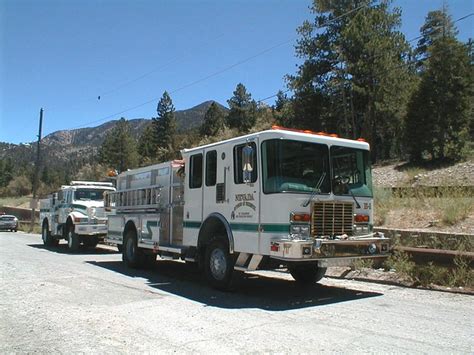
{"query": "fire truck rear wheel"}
{"type": "Point", "coordinates": [219, 264]}
{"type": "Point", "coordinates": [307, 274]}
{"type": "Point", "coordinates": [131, 254]}
{"type": "Point", "coordinates": [72, 239]}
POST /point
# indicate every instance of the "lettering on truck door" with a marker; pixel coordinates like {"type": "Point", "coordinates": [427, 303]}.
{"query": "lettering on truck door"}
{"type": "Point", "coordinates": [244, 197]}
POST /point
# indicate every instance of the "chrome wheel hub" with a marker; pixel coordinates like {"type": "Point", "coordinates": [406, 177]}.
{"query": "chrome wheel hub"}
{"type": "Point", "coordinates": [218, 264]}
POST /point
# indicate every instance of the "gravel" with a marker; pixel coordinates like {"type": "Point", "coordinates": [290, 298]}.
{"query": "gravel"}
{"type": "Point", "coordinates": [55, 302]}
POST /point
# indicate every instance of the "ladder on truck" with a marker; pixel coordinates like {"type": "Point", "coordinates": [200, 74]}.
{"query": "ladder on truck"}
{"type": "Point", "coordinates": [136, 199]}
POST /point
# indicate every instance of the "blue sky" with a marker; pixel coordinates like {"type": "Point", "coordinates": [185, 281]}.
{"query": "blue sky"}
{"type": "Point", "coordinates": [62, 54]}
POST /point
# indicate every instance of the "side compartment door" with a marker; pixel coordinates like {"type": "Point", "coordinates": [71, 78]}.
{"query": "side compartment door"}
{"type": "Point", "coordinates": [193, 197]}
{"type": "Point", "coordinates": [216, 182]}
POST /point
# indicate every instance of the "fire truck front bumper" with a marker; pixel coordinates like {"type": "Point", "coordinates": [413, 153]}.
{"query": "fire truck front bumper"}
{"type": "Point", "coordinates": [331, 252]}
{"type": "Point", "coordinates": [91, 229]}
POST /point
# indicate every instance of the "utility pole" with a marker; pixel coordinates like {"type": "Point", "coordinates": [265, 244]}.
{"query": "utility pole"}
{"type": "Point", "coordinates": [36, 174]}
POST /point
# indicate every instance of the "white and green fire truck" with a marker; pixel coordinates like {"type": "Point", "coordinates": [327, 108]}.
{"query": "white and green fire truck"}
{"type": "Point", "coordinates": [272, 199]}
{"type": "Point", "coordinates": [75, 213]}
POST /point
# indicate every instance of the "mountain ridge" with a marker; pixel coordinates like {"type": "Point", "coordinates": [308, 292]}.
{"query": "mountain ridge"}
{"type": "Point", "coordinates": [83, 143]}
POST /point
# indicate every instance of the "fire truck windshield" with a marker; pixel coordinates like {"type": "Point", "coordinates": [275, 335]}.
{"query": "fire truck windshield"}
{"type": "Point", "coordinates": [304, 167]}
{"type": "Point", "coordinates": [351, 173]}
{"type": "Point", "coordinates": [89, 194]}
{"type": "Point", "coordinates": [295, 166]}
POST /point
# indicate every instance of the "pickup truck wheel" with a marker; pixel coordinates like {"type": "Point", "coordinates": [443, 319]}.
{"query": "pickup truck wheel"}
{"type": "Point", "coordinates": [72, 239]}
{"type": "Point", "coordinates": [219, 264]}
{"type": "Point", "coordinates": [307, 274]}
{"type": "Point", "coordinates": [131, 254]}
{"type": "Point", "coordinates": [48, 240]}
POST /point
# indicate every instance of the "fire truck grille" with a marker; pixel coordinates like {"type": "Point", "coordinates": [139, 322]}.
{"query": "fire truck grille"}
{"type": "Point", "coordinates": [332, 218]}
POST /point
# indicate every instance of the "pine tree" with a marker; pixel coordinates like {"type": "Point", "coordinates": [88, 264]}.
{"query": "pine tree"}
{"type": "Point", "coordinates": [438, 24]}
{"type": "Point", "coordinates": [165, 123]}
{"type": "Point", "coordinates": [164, 127]}
{"type": "Point", "coordinates": [353, 80]}
{"type": "Point", "coordinates": [147, 145]}
{"type": "Point", "coordinates": [281, 101]}
{"type": "Point", "coordinates": [213, 121]}
{"type": "Point", "coordinates": [243, 110]}
{"type": "Point", "coordinates": [119, 148]}
{"type": "Point", "coordinates": [437, 123]}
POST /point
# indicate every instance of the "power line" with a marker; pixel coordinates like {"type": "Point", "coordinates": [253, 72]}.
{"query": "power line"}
{"type": "Point", "coordinates": [410, 62]}
{"type": "Point", "coordinates": [441, 26]}
{"type": "Point", "coordinates": [245, 60]}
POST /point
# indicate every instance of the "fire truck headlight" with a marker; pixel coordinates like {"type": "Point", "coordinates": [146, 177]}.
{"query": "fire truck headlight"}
{"type": "Point", "coordinates": [295, 229]}
{"type": "Point", "coordinates": [300, 231]}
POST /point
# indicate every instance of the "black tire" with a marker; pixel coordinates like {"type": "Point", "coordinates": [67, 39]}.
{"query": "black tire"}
{"type": "Point", "coordinates": [132, 255]}
{"type": "Point", "coordinates": [72, 238]}
{"type": "Point", "coordinates": [91, 242]}
{"type": "Point", "coordinates": [307, 274]}
{"type": "Point", "coordinates": [219, 264]}
{"type": "Point", "coordinates": [48, 239]}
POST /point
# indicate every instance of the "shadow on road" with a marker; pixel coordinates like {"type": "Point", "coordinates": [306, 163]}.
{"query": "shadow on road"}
{"type": "Point", "coordinates": [63, 249]}
{"type": "Point", "coordinates": [251, 291]}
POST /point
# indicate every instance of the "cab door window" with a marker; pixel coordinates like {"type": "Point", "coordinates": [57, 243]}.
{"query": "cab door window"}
{"type": "Point", "coordinates": [211, 168]}
{"type": "Point", "coordinates": [195, 169]}
{"type": "Point", "coordinates": [238, 163]}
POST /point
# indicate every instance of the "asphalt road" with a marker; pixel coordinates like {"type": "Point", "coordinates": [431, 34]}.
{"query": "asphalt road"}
{"type": "Point", "coordinates": [55, 302]}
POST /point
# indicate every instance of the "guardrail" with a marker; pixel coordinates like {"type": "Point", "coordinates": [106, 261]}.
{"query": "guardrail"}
{"type": "Point", "coordinates": [428, 246]}
{"type": "Point", "coordinates": [431, 191]}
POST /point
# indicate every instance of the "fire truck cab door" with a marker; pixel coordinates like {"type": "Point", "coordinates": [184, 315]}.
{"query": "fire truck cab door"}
{"type": "Point", "coordinates": [244, 197]}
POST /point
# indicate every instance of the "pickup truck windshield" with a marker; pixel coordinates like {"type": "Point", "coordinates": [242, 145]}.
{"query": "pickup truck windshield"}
{"type": "Point", "coordinates": [89, 194]}
{"type": "Point", "coordinates": [351, 171]}
{"type": "Point", "coordinates": [295, 166]}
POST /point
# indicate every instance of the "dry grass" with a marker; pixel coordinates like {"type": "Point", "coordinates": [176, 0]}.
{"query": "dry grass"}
{"type": "Point", "coordinates": [461, 275]}
{"type": "Point", "coordinates": [23, 201]}
{"type": "Point", "coordinates": [423, 211]}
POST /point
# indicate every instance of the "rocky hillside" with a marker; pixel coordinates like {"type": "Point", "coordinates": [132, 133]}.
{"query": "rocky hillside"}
{"type": "Point", "coordinates": [82, 143]}
{"type": "Point", "coordinates": [403, 174]}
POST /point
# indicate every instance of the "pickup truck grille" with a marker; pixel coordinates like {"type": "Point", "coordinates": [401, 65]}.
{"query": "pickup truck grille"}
{"type": "Point", "coordinates": [332, 218]}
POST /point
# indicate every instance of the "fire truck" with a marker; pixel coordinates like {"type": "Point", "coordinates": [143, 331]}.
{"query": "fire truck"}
{"type": "Point", "coordinates": [273, 199]}
{"type": "Point", "coordinates": [75, 213]}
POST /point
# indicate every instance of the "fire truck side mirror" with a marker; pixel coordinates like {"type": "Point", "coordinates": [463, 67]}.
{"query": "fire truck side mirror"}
{"type": "Point", "coordinates": [55, 198]}
{"type": "Point", "coordinates": [247, 161]}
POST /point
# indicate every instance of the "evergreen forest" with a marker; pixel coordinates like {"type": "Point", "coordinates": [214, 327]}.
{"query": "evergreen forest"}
{"type": "Point", "coordinates": [359, 77]}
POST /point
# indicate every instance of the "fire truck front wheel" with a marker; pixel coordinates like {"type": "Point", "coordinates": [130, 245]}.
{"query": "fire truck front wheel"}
{"type": "Point", "coordinates": [72, 239]}
{"type": "Point", "coordinates": [219, 264]}
{"type": "Point", "coordinates": [307, 274]}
